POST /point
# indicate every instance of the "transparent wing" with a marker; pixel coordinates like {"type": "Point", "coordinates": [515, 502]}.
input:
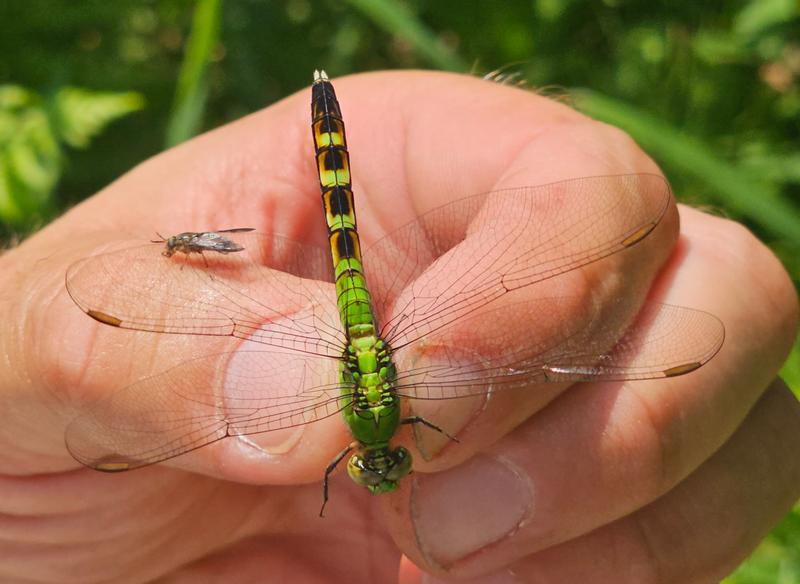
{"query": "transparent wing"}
{"type": "Point", "coordinates": [201, 401]}
{"type": "Point", "coordinates": [214, 241]}
{"type": "Point", "coordinates": [494, 350]}
{"type": "Point", "coordinates": [276, 292]}
{"type": "Point", "coordinates": [461, 256]}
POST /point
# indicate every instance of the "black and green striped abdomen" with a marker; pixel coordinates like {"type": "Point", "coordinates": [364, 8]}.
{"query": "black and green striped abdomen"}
{"type": "Point", "coordinates": [333, 165]}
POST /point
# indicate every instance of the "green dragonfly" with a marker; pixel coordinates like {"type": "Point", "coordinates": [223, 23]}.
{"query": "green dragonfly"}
{"type": "Point", "coordinates": [439, 309]}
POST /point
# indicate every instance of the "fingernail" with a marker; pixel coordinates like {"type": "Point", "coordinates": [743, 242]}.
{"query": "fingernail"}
{"type": "Point", "coordinates": [279, 442]}
{"type": "Point", "coordinates": [460, 511]}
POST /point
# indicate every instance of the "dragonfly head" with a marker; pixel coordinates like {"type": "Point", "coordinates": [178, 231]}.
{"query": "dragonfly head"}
{"type": "Point", "coordinates": [380, 471]}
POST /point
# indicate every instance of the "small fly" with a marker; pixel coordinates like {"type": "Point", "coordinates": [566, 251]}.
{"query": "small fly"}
{"type": "Point", "coordinates": [198, 242]}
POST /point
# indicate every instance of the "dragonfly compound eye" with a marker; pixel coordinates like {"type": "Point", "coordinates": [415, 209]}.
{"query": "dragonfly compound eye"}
{"type": "Point", "coordinates": [401, 464]}
{"type": "Point", "coordinates": [362, 473]}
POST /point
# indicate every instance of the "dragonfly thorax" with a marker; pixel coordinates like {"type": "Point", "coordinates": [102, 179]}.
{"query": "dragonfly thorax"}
{"type": "Point", "coordinates": [373, 409]}
{"type": "Point", "coordinates": [367, 355]}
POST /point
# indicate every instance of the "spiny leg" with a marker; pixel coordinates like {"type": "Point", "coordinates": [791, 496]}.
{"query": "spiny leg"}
{"type": "Point", "coordinates": [329, 469]}
{"type": "Point", "coordinates": [427, 424]}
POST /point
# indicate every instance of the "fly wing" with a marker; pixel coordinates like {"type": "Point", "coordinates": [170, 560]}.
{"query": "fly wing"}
{"type": "Point", "coordinates": [276, 291]}
{"type": "Point", "coordinates": [200, 402]}
{"type": "Point", "coordinates": [494, 350]}
{"type": "Point", "coordinates": [458, 258]}
{"type": "Point", "coordinates": [213, 241]}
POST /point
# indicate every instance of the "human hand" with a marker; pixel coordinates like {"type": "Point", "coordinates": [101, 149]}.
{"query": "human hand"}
{"type": "Point", "coordinates": [598, 459]}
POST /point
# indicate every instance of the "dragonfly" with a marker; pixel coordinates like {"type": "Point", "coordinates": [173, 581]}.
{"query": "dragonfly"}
{"type": "Point", "coordinates": [465, 301]}
{"type": "Point", "coordinates": [199, 241]}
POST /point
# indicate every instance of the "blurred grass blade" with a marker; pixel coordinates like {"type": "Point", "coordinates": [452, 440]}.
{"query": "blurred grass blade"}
{"type": "Point", "coordinates": [192, 89]}
{"type": "Point", "coordinates": [396, 19]}
{"type": "Point", "coordinates": [758, 201]}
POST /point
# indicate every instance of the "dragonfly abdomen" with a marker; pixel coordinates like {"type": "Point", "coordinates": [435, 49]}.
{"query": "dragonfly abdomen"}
{"type": "Point", "coordinates": [333, 166]}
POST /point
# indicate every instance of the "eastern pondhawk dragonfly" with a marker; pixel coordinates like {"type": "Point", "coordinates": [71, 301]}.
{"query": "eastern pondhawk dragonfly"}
{"type": "Point", "coordinates": [458, 305]}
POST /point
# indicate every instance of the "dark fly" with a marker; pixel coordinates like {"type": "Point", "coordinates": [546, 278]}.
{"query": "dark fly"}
{"type": "Point", "coordinates": [198, 242]}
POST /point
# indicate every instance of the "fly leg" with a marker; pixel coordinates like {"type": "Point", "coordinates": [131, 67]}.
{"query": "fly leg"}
{"type": "Point", "coordinates": [427, 424]}
{"type": "Point", "coordinates": [329, 469]}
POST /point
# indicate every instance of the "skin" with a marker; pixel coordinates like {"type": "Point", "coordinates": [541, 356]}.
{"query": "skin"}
{"type": "Point", "coordinates": [658, 481]}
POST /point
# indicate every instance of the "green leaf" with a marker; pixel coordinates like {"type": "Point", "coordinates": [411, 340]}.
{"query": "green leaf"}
{"type": "Point", "coordinates": [32, 131]}
{"type": "Point", "coordinates": [760, 15]}
{"type": "Point", "coordinates": [790, 372]}
{"type": "Point", "coordinates": [81, 114]}
{"type": "Point", "coordinates": [30, 158]}
{"type": "Point", "coordinates": [192, 90]}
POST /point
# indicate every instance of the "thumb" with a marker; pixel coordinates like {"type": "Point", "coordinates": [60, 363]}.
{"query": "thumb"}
{"type": "Point", "coordinates": [44, 354]}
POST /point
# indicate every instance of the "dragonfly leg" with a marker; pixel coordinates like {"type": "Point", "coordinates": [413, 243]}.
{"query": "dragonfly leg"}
{"type": "Point", "coordinates": [329, 469]}
{"type": "Point", "coordinates": [427, 424]}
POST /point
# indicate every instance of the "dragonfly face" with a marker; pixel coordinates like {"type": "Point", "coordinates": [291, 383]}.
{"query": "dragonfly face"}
{"type": "Point", "coordinates": [435, 287]}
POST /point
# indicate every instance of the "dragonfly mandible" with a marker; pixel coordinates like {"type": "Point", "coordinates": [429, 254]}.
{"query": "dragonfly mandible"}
{"type": "Point", "coordinates": [459, 279]}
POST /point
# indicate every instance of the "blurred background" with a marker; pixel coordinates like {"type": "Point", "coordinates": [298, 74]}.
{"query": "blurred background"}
{"type": "Point", "coordinates": [710, 90]}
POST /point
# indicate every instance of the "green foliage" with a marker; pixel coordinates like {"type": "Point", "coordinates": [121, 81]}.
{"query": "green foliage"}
{"type": "Point", "coordinates": [33, 131]}
{"type": "Point", "coordinates": [791, 369]}
{"type": "Point", "coordinates": [79, 114]}
{"type": "Point", "coordinates": [711, 91]}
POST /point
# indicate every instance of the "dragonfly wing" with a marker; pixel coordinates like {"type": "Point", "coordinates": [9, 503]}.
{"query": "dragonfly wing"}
{"type": "Point", "coordinates": [276, 291]}
{"type": "Point", "coordinates": [200, 402]}
{"type": "Point", "coordinates": [492, 351]}
{"type": "Point", "coordinates": [459, 257]}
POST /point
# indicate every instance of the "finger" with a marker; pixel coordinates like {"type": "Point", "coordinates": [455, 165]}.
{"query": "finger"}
{"type": "Point", "coordinates": [498, 246]}
{"type": "Point", "coordinates": [601, 451]}
{"type": "Point", "coordinates": [702, 529]}
{"type": "Point", "coordinates": [80, 526]}
{"type": "Point", "coordinates": [315, 556]}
